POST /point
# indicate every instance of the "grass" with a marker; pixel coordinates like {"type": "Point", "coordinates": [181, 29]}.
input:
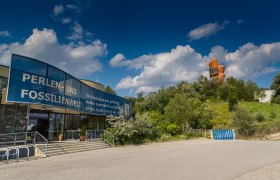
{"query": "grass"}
{"type": "Point", "coordinates": [222, 116]}
{"type": "Point", "coordinates": [265, 108]}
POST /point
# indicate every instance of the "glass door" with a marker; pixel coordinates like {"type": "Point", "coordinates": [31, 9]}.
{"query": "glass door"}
{"type": "Point", "coordinates": [72, 126]}
{"type": "Point", "coordinates": [39, 122]}
{"type": "Point", "coordinates": [55, 126]}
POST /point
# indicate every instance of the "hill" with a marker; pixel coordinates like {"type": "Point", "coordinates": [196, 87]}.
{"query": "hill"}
{"type": "Point", "coordinates": [267, 116]}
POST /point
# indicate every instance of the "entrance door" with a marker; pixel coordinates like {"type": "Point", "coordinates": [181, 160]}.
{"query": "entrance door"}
{"type": "Point", "coordinates": [43, 126]}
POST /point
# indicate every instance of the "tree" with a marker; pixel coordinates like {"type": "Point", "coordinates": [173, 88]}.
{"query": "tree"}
{"type": "Point", "coordinates": [187, 112]}
{"type": "Point", "coordinates": [232, 102]}
{"type": "Point", "coordinates": [276, 84]}
{"type": "Point", "coordinates": [223, 92]}
{"type": "Point", "coordinates": [159, 124]}
{"type": "Point", "coordinates": [108, 89]}
{"type": "Point", "coordinates": [252, 91]}
{"type": "Point", "coordinates": [247, 91]}
{"type": "Point", "coordinates": [177, 110]}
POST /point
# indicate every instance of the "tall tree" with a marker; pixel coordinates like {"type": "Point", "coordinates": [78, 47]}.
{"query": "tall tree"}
{"type": "Point", "coordinates": [276, 84]}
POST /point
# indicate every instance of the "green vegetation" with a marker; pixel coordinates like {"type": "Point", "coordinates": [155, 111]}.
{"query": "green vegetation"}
{"type": "Point", "coordinates": [244, 122]}
{"type": "Point", "coordinates": [276, 87]}
{"type": "Point", "coordinates": [108, 89]}
{"type": "Point", "coordinates": [189, 109]}
{"type": "Point", "coordinates": [83, 131]}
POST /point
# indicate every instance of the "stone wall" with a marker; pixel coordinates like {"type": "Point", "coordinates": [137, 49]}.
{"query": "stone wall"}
{"type": "Point", "coordinates": [13, 118]}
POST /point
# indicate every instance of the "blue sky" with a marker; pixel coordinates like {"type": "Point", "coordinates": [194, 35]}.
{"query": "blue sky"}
{"type": "Point", "coordinates": [141, 45]}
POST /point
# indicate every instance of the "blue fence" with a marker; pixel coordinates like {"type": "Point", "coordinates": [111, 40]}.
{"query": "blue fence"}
{"type": "Point", "coordinates": [223, 134]}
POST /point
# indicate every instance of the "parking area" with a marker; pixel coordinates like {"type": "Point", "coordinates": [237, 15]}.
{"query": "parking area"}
{"type": "Point", "coordinates": [192, 159]}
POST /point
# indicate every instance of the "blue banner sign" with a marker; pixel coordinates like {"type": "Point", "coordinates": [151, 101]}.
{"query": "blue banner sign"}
{"type": "Point", "coordinates": [35, 82]}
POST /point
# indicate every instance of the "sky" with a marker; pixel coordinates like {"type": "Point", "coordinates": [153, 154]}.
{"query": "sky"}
{"type": "Point", "coordinates": [141, 45]}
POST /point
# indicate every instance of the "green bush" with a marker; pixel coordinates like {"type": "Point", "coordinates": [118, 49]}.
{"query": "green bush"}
{"type": "Point", "coordinates": [267, 127]}
{"type": "Point", "coordinates": [193, 133]}
{"type": "Point", "coordinates": [123, 131]}
{"type": "Point", "coordinates": [244, 122]}
{"type": "Point", "coordinates": [165, 137]}
{"type": "Point", "coordinates": [260, 117]}
{"type": "Point", "coordinates": [173, 129]}
{"type": "Point", "coordinates": [109, 137]}
{"type": "Point", "coordinates": [83, 131]}
{"type": "Point", "coordinates": [276, 99]}
{"type": "Point", "coordinates": [272, 114]}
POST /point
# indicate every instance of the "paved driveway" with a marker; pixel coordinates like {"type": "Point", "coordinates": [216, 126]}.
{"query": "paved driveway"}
{"type": "Point", "coordinates": [193, 159]}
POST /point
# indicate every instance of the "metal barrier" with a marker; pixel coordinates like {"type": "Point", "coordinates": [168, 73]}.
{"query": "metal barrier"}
{"type": "Point", "coordinates": [15, 141]}
{"type": "Point", "coordinates": [15, 152]}
{"type": "Point", "coordinates": [27, 150]}
{"type": "Point", "coordinates": [6, 154]}
{"type": "Point", "coordinates": [92, 135]}
{"type": "Point", "coordinates": [40, 140]}
{"type": "Point", "coordinates": [222, 134]}
{"type": "Point", "coordinates": [106, 136]}
{"type": "Point", "coordinates": [11, 151]}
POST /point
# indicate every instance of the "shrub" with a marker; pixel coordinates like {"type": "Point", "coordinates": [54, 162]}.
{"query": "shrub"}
{"type": "Point", "coordinates": [276, 99]}
{"type": "Point", "coordinates": [268, 127]}
{"type": "Point", "coordinates": [272, 114]}
{"type": "Point", "coordinates": [193, 133]}
{"type": "Point", "coordinates": [143, 129]}
{"type": "Point", "coordinates": [260, 117]}
{"type": "Point", "coordinates": [165, 137]}
{"type": "Point", "coordinates": [244, 122]}
{"type": "Point", "coordinates": [83, 131]}
{"type": "Point", "coordinates": [123, 130]}
{"type": "Point", "coordinates": [173, 129]}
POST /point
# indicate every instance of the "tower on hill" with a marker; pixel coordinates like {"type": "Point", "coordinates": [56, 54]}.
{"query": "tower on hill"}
{"type": "Point", "coordinates": [216, 70]}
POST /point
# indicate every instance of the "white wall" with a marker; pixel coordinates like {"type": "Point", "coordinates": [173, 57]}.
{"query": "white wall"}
{"type": "Point", "coordinates": [268, 96]}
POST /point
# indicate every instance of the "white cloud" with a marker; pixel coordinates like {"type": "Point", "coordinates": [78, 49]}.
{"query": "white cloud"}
{"type": "Point", "coordinates": [251, 61]}
{"type": "Point", "coordinates": [58, 9]}
{"type": "Point", "coordinates": [77, 32]}
{"type": "Point", "coordinates": [43, 45]}
{"type": "Point", "coordinates": [181, 64]}
{"type": "Point", "coordinates": [240, 21]}
{"type": "Point", "coordinates": [66, 20]}
{"type": "Point", "coordinates": [4, 33]}
{"type": "Point", "coordinates": [72, 6]}
{"type": "Point", "coordinates": [119, 60]}
{"type": "Point", "coordinates": [206, 30]}
{"type": "Point", "coordinates": [185, 64]}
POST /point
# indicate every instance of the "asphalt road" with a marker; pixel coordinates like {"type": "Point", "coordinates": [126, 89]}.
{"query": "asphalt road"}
{"type": "Point", "coordinates": [193, 159]}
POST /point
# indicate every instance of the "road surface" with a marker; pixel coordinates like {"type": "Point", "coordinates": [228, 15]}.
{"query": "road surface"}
{"type": "Point", "coordinates": [193, 159]}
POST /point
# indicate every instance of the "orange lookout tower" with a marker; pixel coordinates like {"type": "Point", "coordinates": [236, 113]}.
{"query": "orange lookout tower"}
{"type": "Point", "coordinates": [216, 70]}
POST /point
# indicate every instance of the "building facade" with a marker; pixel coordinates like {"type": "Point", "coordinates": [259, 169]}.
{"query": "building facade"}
{"type": "Point", "coordinates": [36, 96]}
